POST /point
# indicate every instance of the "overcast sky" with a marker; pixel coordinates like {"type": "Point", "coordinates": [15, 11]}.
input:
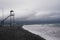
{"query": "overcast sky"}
{"type": "Point", "coordinates": [31, 9]}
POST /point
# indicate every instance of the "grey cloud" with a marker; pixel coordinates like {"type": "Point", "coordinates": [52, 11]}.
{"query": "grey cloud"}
{"type": "Point", "coordinates": [47, 16]}
{"type": "Point", "coordinates": [32, 9]}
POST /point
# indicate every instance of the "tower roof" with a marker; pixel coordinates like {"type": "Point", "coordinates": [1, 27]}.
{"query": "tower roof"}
{"type": "Point", "coordinates": [11, 11]}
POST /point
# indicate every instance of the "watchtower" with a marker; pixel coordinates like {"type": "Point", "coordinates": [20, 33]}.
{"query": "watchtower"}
{"type": "Point", "coordinates": [12, 19]}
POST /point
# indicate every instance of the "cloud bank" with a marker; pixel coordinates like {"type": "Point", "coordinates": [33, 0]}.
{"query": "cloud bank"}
{"type": "Point", "coordinates": [32, 9]}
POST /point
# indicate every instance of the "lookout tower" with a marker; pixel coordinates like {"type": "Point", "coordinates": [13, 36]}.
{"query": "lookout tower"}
{"type": "Point", "coordinates": [12, 19]}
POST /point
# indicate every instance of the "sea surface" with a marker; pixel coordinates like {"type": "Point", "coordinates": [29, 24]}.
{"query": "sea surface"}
{"type": "Point", "coordinates": [47, 31]}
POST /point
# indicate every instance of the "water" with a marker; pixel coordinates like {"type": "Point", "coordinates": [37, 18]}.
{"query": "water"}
{"type": "Point", "coordinates": [47, 31]}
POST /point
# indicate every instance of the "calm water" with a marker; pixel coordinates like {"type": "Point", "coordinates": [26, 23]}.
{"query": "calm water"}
{"type": "Point", "coordinates": [47, 31]}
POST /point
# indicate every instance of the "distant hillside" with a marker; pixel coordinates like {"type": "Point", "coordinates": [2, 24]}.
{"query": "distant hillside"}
{"type": "Point", "coordinates": [47, 21]}
{"type": "Point", "coordinates": [17, 33]}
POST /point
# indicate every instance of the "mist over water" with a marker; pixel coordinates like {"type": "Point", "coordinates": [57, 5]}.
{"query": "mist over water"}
{"type": "Point", "coordinates": [47, 31]}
